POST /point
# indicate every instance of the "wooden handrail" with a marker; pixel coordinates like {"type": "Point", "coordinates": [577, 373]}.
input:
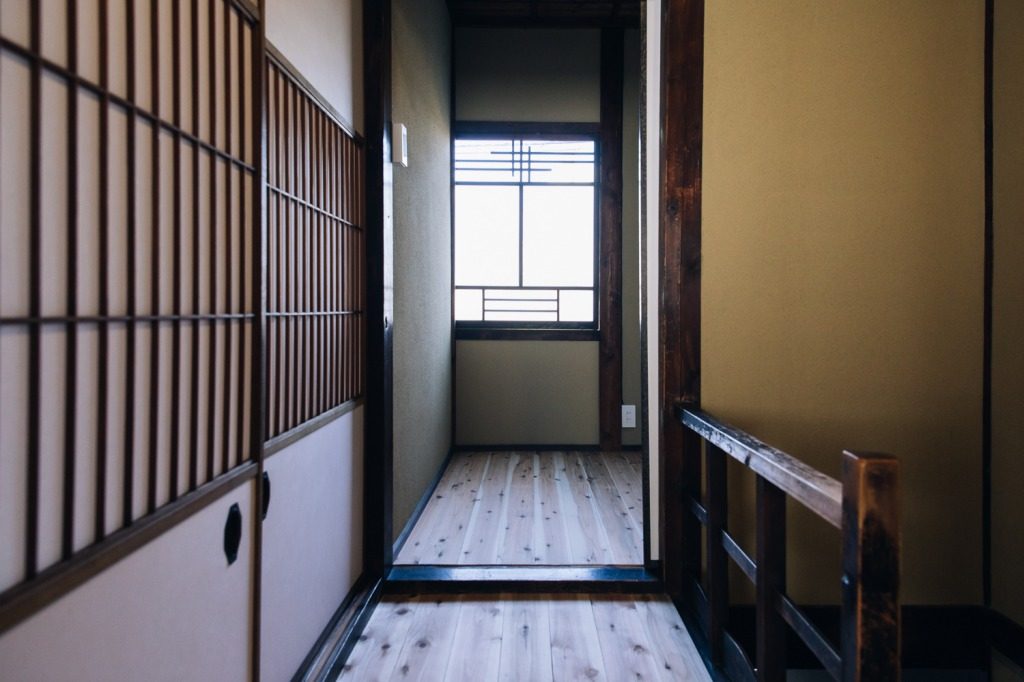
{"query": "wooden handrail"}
{"type": "Point", "coordinates": [819, 492]}
{"type": "Point", "coordinates": [864, 506]}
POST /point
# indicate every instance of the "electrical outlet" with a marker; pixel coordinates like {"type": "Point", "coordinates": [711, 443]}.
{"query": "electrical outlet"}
{"type": "Point", "coordinates": [629, 416]}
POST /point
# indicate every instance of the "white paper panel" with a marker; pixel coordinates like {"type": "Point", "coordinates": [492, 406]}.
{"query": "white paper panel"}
{"type": "Point", "coordinates": [315, 513]}
{"type": "Point", "coordinates": [14, 185]}
{"type": "Point", "coordinates": [53, 210]}
{"type": "Point", "coordinates": [13, 443]}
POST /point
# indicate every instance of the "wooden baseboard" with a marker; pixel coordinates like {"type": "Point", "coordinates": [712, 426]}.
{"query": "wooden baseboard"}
{"type": "Point", "coordinates": [417, 511]}
{"type": "Point", "coordinates": [331, 650]}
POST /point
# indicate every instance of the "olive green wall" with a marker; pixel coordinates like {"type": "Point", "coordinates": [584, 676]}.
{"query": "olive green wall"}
{"type": "Point", "coordinates": [1008, 311]}
{"type": "Point", "coordinates": [421, 71]}
{"type": "Point", "coordinates": [512, 392]}
{"type": "Point", "coordinates": [631, 232]}
{"type": "Point", "coordinates": [843, 207]}
{"type": "Point", "coordinates": [546, 75]}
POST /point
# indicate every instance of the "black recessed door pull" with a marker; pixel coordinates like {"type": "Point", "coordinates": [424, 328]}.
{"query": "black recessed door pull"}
{"type": "Point", "coordinates": [266, 494]}
{"type": "Point", "coordinates": [232, 533]}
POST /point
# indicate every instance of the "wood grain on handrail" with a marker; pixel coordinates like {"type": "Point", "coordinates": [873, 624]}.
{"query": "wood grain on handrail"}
{"type": "Point", "coordinates": [819, 492]}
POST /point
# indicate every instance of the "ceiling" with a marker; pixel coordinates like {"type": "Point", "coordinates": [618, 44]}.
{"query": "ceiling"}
{"type": "Point", "coordinates": [549, 13]}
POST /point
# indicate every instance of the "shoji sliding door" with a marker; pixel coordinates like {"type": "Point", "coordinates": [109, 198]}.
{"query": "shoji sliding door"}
{"type": "Point", "coordinates": [182, 339]}
{"type": "Point", "coordinates": [312, 535]}
{"type": "Point", "coordinates": [128, 323]}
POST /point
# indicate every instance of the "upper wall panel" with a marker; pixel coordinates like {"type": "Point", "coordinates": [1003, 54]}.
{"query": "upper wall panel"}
{"type": "Point", "coordinates": [324, 40]}
{"type": "Point", "coordinates": [527, 75]}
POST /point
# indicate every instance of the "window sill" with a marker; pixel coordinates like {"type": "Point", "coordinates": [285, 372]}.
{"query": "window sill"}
{"type": "Point", "coordinates": [524, 334]}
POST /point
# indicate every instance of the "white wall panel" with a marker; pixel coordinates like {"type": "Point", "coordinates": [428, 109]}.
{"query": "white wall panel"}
{"type": "Point", "coordinates": [312, 540]}
{"type": "Point", "coordinates": [173, 610]}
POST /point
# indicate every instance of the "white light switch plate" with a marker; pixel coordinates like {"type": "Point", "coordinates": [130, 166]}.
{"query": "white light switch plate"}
{"type": "Point", "coordinates": [399, 144]}
{"type": "Point", "coordinates": [629, 416]}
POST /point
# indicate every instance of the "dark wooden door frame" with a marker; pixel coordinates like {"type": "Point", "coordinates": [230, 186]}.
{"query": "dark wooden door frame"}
{"type": "Point", "coordinates": [378, 437]}
{"type": "Point", "coordinates": [378, 446]}
{"type": "Point", "coordinates": [679, 249]}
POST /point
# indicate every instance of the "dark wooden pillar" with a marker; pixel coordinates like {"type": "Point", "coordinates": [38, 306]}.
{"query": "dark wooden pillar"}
{"type": "Point", "coordinates": [377, 505]}
{"type": "Point", "coordinates": [610, 271]}
{"type": "Point", "coordinates": [682, 74]}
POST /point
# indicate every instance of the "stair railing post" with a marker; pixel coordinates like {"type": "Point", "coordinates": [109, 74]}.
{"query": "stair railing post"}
{"type": "Point", "coordinates": [717, 562]}
{"type": "Point", "coordinates": [870, 645]}
{"type": "Point", "coordinates": [771, 582]}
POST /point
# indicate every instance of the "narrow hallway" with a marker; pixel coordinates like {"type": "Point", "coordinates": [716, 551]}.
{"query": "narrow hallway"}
{"type": "Point", "coordinates": [532, 508]}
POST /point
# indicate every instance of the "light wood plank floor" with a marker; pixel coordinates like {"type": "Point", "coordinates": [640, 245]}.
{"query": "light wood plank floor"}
{"type": "Point", "coordinates": [533, 508]}
{"type": "Point", "coordinates": [526, 637]}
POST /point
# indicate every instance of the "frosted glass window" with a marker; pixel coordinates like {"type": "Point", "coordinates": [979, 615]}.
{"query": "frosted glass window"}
{"type": "Point", "coordinates": [576, 306]}
{"type": "Point", "coordinates": [486, 235]}
{"type": "Point", "coordinates": [525, 224]}
{"type": "Point", "coordinates": [469, 304]}
{"type": "Point", "coordinates": [558, 236]}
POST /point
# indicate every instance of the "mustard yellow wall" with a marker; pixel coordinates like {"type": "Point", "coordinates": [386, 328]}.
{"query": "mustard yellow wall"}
{"type": "Point", "coordinates": [1008, 311]}
{"type": "Point", "coordinates": [842, 273]}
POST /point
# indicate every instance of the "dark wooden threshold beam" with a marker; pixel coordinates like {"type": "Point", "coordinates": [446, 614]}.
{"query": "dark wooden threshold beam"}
{"type": "Point", "coordinates": [422, 579]}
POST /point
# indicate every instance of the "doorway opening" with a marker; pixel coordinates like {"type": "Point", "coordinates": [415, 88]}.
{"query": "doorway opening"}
{"type": "Point", "coordinates": [547, 466]}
